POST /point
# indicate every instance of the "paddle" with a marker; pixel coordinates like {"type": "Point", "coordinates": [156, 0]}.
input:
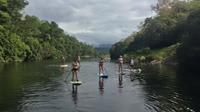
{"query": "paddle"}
{"type": "Point", "coordinates": [68, 74]}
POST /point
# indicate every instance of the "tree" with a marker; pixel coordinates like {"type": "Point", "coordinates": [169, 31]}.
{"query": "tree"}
{"type": "Point", "coordinates": [189, 52]}
{"type": "Point", "coordinates": [28, 38]}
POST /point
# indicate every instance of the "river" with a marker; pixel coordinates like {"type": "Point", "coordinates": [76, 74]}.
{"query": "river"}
{"type": "Point", "coordinates": [40, 87]}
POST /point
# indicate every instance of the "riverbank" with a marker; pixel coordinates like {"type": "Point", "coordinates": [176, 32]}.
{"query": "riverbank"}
{"type": "Point", "coordinates": [165, 55]}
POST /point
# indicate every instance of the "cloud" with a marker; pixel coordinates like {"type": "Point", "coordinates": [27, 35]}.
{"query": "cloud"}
{"type": "Point", "coordinates": [94, 21]}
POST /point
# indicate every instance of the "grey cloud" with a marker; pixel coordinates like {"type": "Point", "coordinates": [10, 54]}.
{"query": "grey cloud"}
{"type": "Point", "coordinates": [99, 37]}
{"type": "Point", "coordinates": [94, 21]}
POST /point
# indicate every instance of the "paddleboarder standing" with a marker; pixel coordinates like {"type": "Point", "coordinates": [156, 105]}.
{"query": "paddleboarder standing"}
{"type": "Point", "coordinates": [63, 60]}
{"type": "Point", "coordinates": [75, 68]}
{"type": "Point", "coordinates": [120, 63]}
{"type": "Point", "coordinates": [101, 65]}
{"type": "Point", "coordinates": [132, 63]}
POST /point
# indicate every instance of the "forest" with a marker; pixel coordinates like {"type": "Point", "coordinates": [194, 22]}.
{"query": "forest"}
{"type": "Point", "coordinates": [172, 35]}
{"type": "Point", "coordinates": [27, 38]}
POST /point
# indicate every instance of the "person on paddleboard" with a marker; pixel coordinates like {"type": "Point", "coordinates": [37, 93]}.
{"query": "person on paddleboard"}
{"type": "Point", "coordinates": [131, 63]}
{"type": "Point", "coordinates": [101, 65]}
{"type": "Point", "coordinates": [62, 60]}
{"type": "Point", "coordinates": [120, 63]}
{"type": "Point", "coordinates": [75, 68]}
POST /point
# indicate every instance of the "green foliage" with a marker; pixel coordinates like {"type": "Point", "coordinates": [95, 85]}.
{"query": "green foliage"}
{"type": "Point", "coordinates": [189, 52]}
{"type": "Point", "coordinates": [155, 54]}
{"type": "Point", "coordinates": [4, 17]}
{"type": "Point", "coordinates": [159, 37]}
{"type": "Point", "coordinates": [3, 5]}
{"type": "Point", "coordinates": [14, 8]}
{"type": "Point", "coordinates": [172, 35]}
{"type": "Point", "coordinates": [160, 31]}
{"type": "Point", "coordinates": [117, 50]}
{"type": "Point", "coordinates": [120, 47]}
{"type": "Point", "coordinates": [29, 39]}
{"type": "Point", "coordinates": [18, 49]}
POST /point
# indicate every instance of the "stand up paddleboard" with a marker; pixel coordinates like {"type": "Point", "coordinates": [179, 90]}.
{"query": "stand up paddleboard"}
{"type": "Point", "coordinates": [103, 75]}
{"type": "Point", "coordinates": [135, 70]}
{"type": "Point", "coordinates": [123, 73]}
{"type": "Point", "coordinates": [63, 66]}
{"type": "Point", "coordinates": [76, 82]}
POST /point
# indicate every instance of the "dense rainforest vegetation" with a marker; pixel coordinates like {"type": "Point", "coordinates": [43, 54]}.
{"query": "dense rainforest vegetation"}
{"type": "Point", "coordinates": [27, 38]}
{"type": "Point", "coordinates": [172, 34]}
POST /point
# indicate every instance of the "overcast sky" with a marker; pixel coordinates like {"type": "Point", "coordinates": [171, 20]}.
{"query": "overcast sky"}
{"type": "Point", "coordinates": [94, 21]}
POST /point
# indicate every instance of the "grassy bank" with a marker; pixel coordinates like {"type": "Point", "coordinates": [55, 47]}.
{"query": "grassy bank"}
{"type": "Point", "coordinates": [147, 55]}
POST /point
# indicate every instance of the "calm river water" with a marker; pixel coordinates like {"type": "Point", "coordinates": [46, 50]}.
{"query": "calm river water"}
{"type": "Point", "coordinates": [40, 87]}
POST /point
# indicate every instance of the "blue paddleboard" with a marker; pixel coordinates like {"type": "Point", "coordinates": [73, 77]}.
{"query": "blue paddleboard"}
{"type": "Point", "coordinates": [103, 75]}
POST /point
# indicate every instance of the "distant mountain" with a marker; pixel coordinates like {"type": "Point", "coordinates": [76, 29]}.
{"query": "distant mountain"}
{"type": "Point", "coordinates": [103, 48]}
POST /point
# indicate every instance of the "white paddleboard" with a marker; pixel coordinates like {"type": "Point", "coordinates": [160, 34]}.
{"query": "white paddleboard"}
{"type": "Point", "coordinates": [76, 82]}
{"type": "Point", "coordinates": [101, 74]}
{"type": "Point", "coordinates": [62, 66]}
{"type": "Point", "coordinates": [134, 70]}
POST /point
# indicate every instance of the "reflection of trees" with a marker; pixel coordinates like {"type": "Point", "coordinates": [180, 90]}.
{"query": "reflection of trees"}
{"type": "Point", "coordinates": [10, 87]}
{"type": "Point", "coordinates": [162, 91]}
{"type": "Point", "coordinates": [189, 82]}
{"type": "Point", "coordinates": [21, 81]}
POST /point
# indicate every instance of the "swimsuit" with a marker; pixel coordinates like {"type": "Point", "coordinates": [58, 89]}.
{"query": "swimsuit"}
{"type": "Point", "coordinates": [101, 63]}
{"type": "Point", "coordinates": [75, 66]}
{"type": "Point", "coordinates": [121, 60]}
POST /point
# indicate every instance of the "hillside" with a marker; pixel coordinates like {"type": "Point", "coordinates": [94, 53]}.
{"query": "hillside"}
{"type": "Point", "coordinates": [172, 31]}
{"type": "Point", "coordinates": [27, 38]}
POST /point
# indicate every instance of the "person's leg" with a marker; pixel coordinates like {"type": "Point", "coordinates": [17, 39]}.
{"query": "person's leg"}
{"type": "Point", "coordinates": [120, 68]}
{"type": "Point", "coordinates": [102, 69]}
{"type": "Point", "coordinates": [76, 75]}
{"type": "Point", "coordinates": [72, 75]}
{"type": "Point", "coordinates": [131, 67]}
{"type": "Point", "coordinates": [99, 69]}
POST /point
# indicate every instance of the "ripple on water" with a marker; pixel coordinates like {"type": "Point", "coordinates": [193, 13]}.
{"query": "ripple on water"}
{"type": "Point", "coordinates": [156, 89]}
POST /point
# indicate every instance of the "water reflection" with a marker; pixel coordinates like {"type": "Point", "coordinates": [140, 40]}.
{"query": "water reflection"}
{"type": "Point", "coordinates": [120, 77]}
{"type": "Point", "coordinates": [189, 81]}
{"type": "Point", "coordinates": [101, 85]}
{"type": "Point", "coordinates": [162, 91]}
{"type": "Point", "coordinates": [75, 94]}
{"type": "Point", "coordinates": [35, 87]}
{"type": "Point", "coordinates": [131, 76]}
